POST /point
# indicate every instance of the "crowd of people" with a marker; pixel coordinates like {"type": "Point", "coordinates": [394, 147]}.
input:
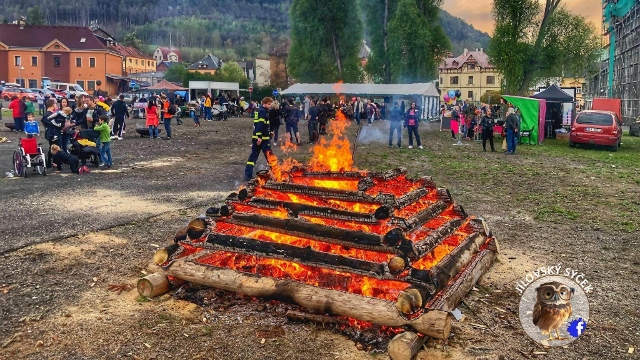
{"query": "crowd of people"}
{"type": "Point", "coordinates": [468, 120]}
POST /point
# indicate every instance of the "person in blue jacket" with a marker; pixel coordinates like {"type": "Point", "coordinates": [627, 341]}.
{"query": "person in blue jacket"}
{"type": "Point", "coordinates": [260, 140]}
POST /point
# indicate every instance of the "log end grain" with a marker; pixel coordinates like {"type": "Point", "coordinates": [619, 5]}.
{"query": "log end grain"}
{"type": "Point", "coordinates": [153, 285]}
{"type": "Point", "coordinates": [405, 345]}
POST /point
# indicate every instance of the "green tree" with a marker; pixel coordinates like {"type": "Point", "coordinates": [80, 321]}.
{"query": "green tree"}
{"type": "Point", "coordinates": [325, 41]}
{"type": "Point", "coordinates": [35, 16]}
{"type": "Point", "coordinates": [417, 43]}
{"type": "Point", "coordinates": [491, 96]}
{"type": "Point", "coordinates": [532, 41]}
{"type": "Point", "coordinates": [378, 15]}
{"type": "Point", "coordinates": [131, 39]}
{"type": "Point", "coordinates": [176, 74]}
{"type": "Point", "coordinates": [232, 72]}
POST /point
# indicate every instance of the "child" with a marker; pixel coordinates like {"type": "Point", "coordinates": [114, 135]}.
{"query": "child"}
{"type": "Point", "coordinates": [31, 126]}
{"type": "Point", "coordinates": [152, 119]}
{"type": "Point", "coordinates": [194, 111]}
{"type": "Point", "coordinates": [105, 140]}
{"type": "Point", "coordinates": [61, 157]}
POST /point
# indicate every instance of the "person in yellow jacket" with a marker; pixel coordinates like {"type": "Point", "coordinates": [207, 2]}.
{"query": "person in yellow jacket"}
{"type": "Point", "coordinates": [207, 108]}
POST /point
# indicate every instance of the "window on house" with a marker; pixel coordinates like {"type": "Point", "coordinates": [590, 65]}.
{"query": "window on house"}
{"type": "Point", "coordinates": [470, 80]}
{"type": "Point", "coordinates": [17, 61]}
{"type": "Point", "coordinates": [78, 62]}
{"type": "Point", "coordinates": [56, 61]}
{"type": "Point", "coordinates": [92, 62]}
{"type": "Point", "coordinates": [34, 61]}
{"type": "Point", "coordinates": [441, 81]}
{"type": "Point", "coordinates": [470, 95]}
{"type": "Point", "coordinates": [453, 80]}
{"type": "Point", "coordinates": [491, 80]}
{"type": "Point", "coordinates": [33, 83]}
{"type": "Point", "coordinates": [471, 66]}
{"type": "Point", "coordinates": [579, 90]}
{"type": "Point", "coordinates": [136, 61]}
{"type": "Point", "coordinates": [91, 85]}
{"type": "Point", "coordinates": [130, 60]}
{"type": "Point", "coordinates": [81, 83]}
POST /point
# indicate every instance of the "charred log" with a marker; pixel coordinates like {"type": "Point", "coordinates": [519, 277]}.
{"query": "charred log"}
{"type": "Point", "coordinates": [303, 255]}
{"type": "Point", "coordinates": [425, 215]}
{"type": "Point", "coordinates": [451, 264]}
{"type": "Point", "coordinates": [327, 193]}
{"type": "Point", "coordinates": [307, 229]}
{"type": "Point", "coordinates": [213, 211]}
{"type": "Point", "coordinates": [196, 228]}
{"type": "Point", "coordinates": [445, 196]}
{"type": "Point", "coordinates": [243, 194]}
{"type": "Point", "coordinates": [436, 237]}
{"type": "Point", "coordinates": [398, 264]}
{"type": "Point", "coordinates": [162, 255]}
{"type": "Point", "coordinates": [297, 209]}
{"type": "Point", "coordinates": [451, 296]}
{"type": "Point", "coordinates": [411, 197]}
{"type": "Point", "coordinates": [383, 212]}
{"type": "Point", "coordinates": [226, 210]}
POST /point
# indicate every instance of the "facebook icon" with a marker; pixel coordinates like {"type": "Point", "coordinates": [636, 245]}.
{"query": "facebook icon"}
{"type": "Point", "coordinates": [577, 327]}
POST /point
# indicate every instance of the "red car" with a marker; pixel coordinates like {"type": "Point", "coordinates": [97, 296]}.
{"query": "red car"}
{"type": "Point", "coordinates": [597, 127]}
{"type": "Point", "coordinates": [10, 92]}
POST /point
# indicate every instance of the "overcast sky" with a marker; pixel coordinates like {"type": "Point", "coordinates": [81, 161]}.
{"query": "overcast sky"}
{"type": "Point", "coordinates": [478, 12]}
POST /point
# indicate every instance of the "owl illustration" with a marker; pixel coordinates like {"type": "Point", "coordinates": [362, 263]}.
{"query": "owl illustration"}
{"type": "Point", "coordinates": [552, 308]}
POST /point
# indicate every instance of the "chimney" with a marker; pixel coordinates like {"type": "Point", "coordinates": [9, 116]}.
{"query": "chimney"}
{"type": "Point", "coordinates": [22, 22]}
{"type": "Point", "coordinates": [481, 50]}
{"type": "Point", "coordinates": [466, 51]}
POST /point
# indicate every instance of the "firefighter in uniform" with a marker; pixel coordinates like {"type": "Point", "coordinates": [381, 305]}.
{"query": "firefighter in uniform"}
{"type": "Point", "coordinates": [261, 137]}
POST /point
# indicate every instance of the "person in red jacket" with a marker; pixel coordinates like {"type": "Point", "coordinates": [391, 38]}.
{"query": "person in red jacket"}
{"type": "Point", "coordinates": [18, 108]}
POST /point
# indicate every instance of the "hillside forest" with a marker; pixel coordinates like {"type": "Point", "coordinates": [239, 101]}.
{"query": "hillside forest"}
{"type": "Point", "coordinates": [231, 30]}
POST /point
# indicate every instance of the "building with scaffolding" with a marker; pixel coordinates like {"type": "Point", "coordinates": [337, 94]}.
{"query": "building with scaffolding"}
{"type": "Point", "coordinates": [618, 74]}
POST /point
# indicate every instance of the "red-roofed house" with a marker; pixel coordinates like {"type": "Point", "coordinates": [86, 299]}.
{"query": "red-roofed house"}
{"type": "Point", "coordinates": [472, 73]}
{"type": "Point", "coordinates": [134, 60]}
{"type": "Point", "coordinates": [167, 54]}
{"type": "Point", "coordinates": [71, 54]}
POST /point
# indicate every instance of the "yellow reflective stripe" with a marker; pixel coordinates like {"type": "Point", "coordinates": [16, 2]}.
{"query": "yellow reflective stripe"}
{"type": "Point", "coordinates": [259, 120]}
{"type": "Point", "coordinates": [254, 137]}
{"type": "Point", "coordinates": [250, 163]}
{"type": "Point", "coordinates": [266, 138]}
{"type": "Point", "coordinates": [255, 116]}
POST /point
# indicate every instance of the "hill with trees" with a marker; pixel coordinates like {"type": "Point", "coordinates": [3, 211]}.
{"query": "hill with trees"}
{"type": "Point", "coordinates": [231, 30]}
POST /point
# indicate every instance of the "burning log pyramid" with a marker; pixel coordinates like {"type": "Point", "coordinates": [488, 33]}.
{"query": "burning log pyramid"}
{"type": "Point", "coordinates": [374, 246]}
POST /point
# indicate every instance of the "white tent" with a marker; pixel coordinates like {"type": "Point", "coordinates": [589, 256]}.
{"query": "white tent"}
{"type": "Point", "coordinates": [428, 93]}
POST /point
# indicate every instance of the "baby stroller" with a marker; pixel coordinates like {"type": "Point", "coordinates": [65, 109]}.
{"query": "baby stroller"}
{"type": "Point", "coordinates": [218, 114]}
{"type": "Point", "coordinates": [29, 153]}
{"type": "Point", "coordinates": [83, 145]}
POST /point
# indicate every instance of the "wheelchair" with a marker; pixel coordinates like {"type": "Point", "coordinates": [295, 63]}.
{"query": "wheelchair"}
{"type": "Point", "coordinates": [29, 155]}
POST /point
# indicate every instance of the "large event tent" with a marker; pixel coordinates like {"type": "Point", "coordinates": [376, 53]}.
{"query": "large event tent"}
{"type": "Point", "coordinates": [426, 92]}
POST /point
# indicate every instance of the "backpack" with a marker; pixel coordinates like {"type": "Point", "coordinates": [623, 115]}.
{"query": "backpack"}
{"type": "Point", "coordinates": [172, 109]}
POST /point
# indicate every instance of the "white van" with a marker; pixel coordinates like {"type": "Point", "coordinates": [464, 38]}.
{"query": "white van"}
{"type": "Point", "coordinates": [71, 88]}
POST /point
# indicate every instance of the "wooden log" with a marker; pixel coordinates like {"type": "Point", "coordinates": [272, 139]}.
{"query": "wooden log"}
{"type": "Point", "coordinates": [297, 209]}
{"type": "Point", "coordinates": [425, 215]}
{"type": "Point", "coordinates": [305, 255]}
{"type": "Point", "coordinates": [405, 345]}
{"type": "Point", "coordinates": [432, 240]}
{"type": "Point", "coordinates": [308, 229]}
{"type": "Point", "coordinates": [434, 323]}
{"type": "Point", "coordinates": [450, 297]}
{"type": "Point", "coordinates": [315, 318]}
{"type": "Point", "coordinates": [411, 197]}
{"type": "Point", "coordinates": [153, 285]}
{"type": "Point", "coordinates": [451, 264]}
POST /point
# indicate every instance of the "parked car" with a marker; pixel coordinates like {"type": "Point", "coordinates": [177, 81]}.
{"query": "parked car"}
{"type": "Point", "coordinates": [71, 88]}
{"type": "Point", "coordinates": [45, 92]}
{"type": "Point", "coordinates": [596, 127]}
{"type": "Point", "coordinates": [10, 92]}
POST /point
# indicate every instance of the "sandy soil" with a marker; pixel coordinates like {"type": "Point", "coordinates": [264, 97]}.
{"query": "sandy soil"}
{"type": "Point", "coordinates": [72, 248]}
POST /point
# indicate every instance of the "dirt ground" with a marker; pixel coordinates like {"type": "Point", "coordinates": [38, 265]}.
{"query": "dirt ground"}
{"type": "Point", "coordinates": [72, 248]}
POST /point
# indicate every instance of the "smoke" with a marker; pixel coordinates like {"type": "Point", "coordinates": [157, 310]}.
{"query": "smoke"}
{"type": "Point", "coordinates": [373, 134]}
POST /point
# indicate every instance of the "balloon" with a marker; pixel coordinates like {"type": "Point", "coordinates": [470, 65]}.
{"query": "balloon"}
{"type": "Point", "coordinates": [452, 94]}
{"type": "Point", "coordinates": [458, 93]}
{"type": "Point", "coordinates": [446, 98]}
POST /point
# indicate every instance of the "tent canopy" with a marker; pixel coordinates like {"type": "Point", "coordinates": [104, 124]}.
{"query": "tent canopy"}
{"type": "Point", "coordinates": [532, 111]}
{"type": "Point", "coordinates": [165, 85]}
{"type": "Point", "coordinates": [421, 89]}
{"type": "Point", "coordinates": [554, 94]}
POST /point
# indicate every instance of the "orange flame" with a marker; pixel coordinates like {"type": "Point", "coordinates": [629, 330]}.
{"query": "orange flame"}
{"type": "Point", "coordinates": [334, 154]}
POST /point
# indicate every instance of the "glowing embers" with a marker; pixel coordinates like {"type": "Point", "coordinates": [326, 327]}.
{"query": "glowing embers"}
{"type": "Point", "coordinates": [311, 275]}
{"type": "Point", "coordinates": [274, 237]}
